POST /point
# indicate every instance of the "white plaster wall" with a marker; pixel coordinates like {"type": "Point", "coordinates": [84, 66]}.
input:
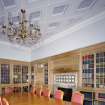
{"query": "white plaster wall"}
{"type": "Point", "coordinates": [89, 35]}
{"type": "Point", "coordinates": [9, 52]}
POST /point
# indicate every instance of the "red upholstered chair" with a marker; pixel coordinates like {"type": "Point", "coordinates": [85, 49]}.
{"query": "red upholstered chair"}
{"type": "Point", "coordinates": [46, 92]}
{"type": "Point", "coordinates": [39, 91]}
{"type": "Point", "coordinates": [4, 101]}
{"type": "Point", "coordinates": [0, 101]}
{"type": "Point", "coordinates": [8, 90]}
{"type": "Point", "coordinates": [33, 90]}
{"type": "Point", "coordinates": [59, 94]}
{"type": "Point", "coordinates": [77, 98]}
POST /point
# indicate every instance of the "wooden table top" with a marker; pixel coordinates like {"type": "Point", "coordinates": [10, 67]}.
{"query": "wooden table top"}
{"type": "Point", "coordinates": [29, 99]}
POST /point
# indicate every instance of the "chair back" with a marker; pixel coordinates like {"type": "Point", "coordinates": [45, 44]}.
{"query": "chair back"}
{"type": "Point", "coordinates": [46, 92]}
{"type": "Point", "coordinates": [33, 91]}
{"type": "Point", "coordinates": [59, 94]}
{"type": "Point", "coordinates": [4, 101]}
{"type": "Point", "coordinates": [77, 98]}
{"type": "Point", "coordinates": [0, 101]}
{"type": "Point", "coordinates": [39, 91]}
{"type": "Point", "coordinates": [8, 90]}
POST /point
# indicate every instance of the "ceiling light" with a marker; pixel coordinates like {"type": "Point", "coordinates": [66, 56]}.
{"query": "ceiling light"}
{"type": "Point", "coordinates": [22, 32]}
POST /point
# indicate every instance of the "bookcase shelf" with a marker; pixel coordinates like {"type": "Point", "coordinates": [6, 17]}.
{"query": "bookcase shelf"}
{"type": "Point", "coordinates": [93, 76]}
{"type": "Point", "coordinates": [46, 74]}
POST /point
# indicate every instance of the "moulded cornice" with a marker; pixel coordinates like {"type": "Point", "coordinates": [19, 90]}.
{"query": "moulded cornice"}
{"type": "Point", "coordinates": [70, 30]}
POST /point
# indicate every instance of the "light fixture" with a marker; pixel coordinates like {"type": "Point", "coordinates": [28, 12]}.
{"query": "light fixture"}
{"type": "Point", "coordinates": [41, 65]}
{"type": "Point", "coordinates": [23, 32]}
{"type": "Point", "coordinates": [15, 76]}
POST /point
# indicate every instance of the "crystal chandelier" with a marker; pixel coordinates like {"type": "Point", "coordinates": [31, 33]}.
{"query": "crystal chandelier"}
{"type": "Point", "coordinates": [24, 32]}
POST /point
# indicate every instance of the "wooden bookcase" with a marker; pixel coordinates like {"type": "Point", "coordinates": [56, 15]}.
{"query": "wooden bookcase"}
{"type": "Point", "coordinates": [89, 95]}
{"type": "Point", "coordinates": [100, 70]}
{"type": "Point", "coordinates": [5, 73]}
{"type": "Point", "coordinates": [32, 75]}
{"type": "Point", "coordinates": [93, 76]}
{"type": "Point", "coordinates": [15, 75]}
{"type": "Point", "coordinates": [88, 70]}
{"type": "Point", "coordinates": [100, 97]}
{"type": "Point", "coordinates": [46, 74]}
{"type": "Point", "coordinates": [25, 74]}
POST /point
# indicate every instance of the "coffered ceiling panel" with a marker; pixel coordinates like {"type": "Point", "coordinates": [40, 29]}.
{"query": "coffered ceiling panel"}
{"type": "Point", "coordinates": [86, 4]}
{"type": "Point", "coordinates": [59, 9]}
{"type": "Point", "coordinates": [8, 2]}
{"type": "Point", "coordinates": [35, 14]}
{"type": "Point", "coordinates": [53, 16]}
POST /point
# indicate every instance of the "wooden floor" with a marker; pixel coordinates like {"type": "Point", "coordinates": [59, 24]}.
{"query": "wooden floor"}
{"type": "Point", "coordinates": [29, 99]}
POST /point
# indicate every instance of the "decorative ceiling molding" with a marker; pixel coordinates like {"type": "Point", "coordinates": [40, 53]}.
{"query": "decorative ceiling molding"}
{"type": "Point", "coordinates": [61, 34]}
{"type": "Point", "coordinates": [86, 4]}
{"type": "Point", "coordinates": [67, 18]}
{"type": "Point", "coordinates": [70, 30]}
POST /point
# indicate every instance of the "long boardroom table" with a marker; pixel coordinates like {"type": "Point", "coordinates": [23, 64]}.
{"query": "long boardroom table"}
{"type": "Point", "coordinates": [29, 99]}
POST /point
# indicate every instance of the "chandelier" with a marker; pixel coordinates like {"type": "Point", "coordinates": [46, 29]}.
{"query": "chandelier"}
{"type": "Point", "coordinates": [24, 32]}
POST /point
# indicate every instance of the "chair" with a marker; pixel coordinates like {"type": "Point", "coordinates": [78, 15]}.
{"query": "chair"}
{"type": "Point", "coordinates": [0, 101]}
{"type": "Point", "coordinates": [17, 89]}
{"type": "Point", "coordinates": [38, 91]}
{"type": "Point", "coordinates": [46, 92]}
{"type": "Point", "coordinates": [33, 91]}
{"type": "Point", "coordinates": [59, 94]}
{"type": "Point", "coordinates": [77, 98]}
{"type": "Point", "coordinates": [4, 101]}
{"type": "Point", "coordinates": [8, 90]}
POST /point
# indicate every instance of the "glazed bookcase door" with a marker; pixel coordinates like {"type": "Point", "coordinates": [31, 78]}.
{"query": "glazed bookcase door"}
{"type": "Point", "coordinates": [5, 73]}
{"type": "Point", "coordinates": [24, 74]}
{"type": "Point", "coordinates": [93, 78]}
{"type": "Point", "coordinates": [100, 70]}
{"type": "Point", "coordinates": [17, 74]}
{"type": "Point", "coordinates": [46, 73]}
{"type": "Point", "coordinates": [32, 75]}
{"type": "Point", "coordinates": [88, 70]}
